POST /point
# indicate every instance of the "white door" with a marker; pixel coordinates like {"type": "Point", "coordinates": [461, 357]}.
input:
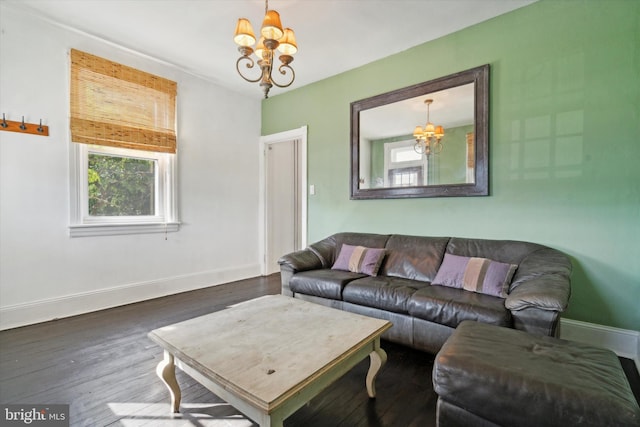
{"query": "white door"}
{"type": "Point", "coordinates": [283, 196]}
{"type": "Point", "coordinates": [283, 203]}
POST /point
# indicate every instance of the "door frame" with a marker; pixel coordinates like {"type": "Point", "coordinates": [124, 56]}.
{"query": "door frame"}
{"type": "Point", "coordinates": [293, 134]}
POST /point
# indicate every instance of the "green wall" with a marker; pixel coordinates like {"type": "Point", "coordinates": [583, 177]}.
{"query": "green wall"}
{"type": "Point", "coordinates": [450, 166]}
{"type": "Point", "coordinates": [564, 144]}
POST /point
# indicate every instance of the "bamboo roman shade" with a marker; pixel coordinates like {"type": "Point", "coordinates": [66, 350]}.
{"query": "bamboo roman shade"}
{"type": "Point", "coordinates": [119, 106]}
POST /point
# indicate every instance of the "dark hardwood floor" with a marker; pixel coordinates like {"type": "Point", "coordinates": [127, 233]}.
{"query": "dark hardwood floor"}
{"type": "Point", "coordinates": [103, 365]}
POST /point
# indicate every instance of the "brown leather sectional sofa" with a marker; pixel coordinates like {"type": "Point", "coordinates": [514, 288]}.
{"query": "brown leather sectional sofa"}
{"type": "Point", "coordinates": [425, 315]}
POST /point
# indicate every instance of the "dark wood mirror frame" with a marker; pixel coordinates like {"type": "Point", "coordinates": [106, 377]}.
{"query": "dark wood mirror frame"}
{"type": "Point", "coordinates": [479, 76]}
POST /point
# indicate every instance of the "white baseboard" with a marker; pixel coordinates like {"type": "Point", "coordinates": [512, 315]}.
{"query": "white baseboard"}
{"type": "Point", "coordinates": [623, 342]}
{"type": "Point", "coordinates": [71, 305]}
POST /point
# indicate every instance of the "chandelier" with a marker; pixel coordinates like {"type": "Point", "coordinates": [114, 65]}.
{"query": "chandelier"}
{"type": "Point", "coordinates": [428, 138]}
{"type": "Point", "coordinates": [272, 37]}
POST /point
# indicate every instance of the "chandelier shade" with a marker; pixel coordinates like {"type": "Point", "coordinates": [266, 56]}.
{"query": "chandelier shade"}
{"type": "Point", "coordinates": [273, 38]}
{"type": "Point", "coordinates": [260, 48]}
{"type": "Point", "coordinates": [244, 33]}
{"type": "Point", "coordinates": [271, 26]}
{"type": "Point", "coordinates": [288, 44]}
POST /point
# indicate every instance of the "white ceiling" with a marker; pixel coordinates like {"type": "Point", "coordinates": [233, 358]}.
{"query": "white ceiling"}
{"type": "Point", "coordinates": [333, 35]}
{"type": "Point", "coordinates": [451, 108]}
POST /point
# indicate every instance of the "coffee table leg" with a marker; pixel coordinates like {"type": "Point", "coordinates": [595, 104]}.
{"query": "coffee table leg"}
{"type": "Point", "coordinates": [166, 370]}
{"type": "Point", "coordinates": [378, 358]}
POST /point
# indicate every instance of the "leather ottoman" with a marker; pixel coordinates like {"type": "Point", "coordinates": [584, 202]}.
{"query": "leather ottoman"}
{"type": "Point", "coordinates": [488, 375]}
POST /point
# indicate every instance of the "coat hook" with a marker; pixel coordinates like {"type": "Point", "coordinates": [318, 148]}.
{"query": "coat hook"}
{"type": "Point", "coordinates": [40, 129]}
{"type": "Point", "coordinates": [4, 123]}
{"type": "Point", "coordinates": [22, 126]}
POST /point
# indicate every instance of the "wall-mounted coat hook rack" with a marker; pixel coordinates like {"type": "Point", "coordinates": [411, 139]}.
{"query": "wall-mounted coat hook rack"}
{"type": "Point", "coordinates": [22, 127]}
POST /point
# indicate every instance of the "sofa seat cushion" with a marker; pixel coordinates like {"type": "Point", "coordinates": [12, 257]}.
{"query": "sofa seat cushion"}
{"type": "Point", "coordinates": [450, 306]}
{"type": "Point", "coordinates": [323, 283]}
{"type": "Point", "coordinates": [385, 293]}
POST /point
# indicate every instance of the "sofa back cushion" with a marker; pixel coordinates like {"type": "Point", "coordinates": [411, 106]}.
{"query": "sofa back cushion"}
{"type": "Point", "coordinates": [413, 257]}
{"type": "Point", "coordinates": [506, 251]}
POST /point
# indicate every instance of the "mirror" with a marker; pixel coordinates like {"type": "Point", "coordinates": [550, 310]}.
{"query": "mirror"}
{"type": "Point", "coordinates": [390, 160]}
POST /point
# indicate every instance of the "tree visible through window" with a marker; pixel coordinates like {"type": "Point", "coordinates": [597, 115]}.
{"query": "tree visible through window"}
{"type": "Point", "coordinates": [121, 186]}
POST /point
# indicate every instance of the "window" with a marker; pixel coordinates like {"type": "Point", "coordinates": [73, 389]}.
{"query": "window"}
{"type": "Point", "coordinates": [405, 177]}
{"type": "Point", "coordinates": [123, 151]}
{"type": "Point", "coordinates": [403, 166]}
{"type": "Point", "coordinates": [405, 154]}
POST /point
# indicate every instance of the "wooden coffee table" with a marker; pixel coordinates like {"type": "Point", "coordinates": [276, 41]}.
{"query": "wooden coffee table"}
{"type": "Point", "coordinates": [269, 356]}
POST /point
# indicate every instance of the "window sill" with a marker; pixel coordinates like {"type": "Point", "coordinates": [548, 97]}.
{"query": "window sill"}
{"type": "Point", "coordinates": [86, 230]}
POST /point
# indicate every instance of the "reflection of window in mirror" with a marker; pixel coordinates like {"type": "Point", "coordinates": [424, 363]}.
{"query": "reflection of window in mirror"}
{"type": "Point", "coordinates": [471, 158]}
{"type": "Point", "coordinates": [403, 166]}
{"type": "Point", "coordinates": [405, 177]}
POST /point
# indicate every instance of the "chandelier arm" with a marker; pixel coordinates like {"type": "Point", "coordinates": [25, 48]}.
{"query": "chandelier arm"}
{"type": "Point", "coordinates": [250, 64]}
{"type": "Point", "coordinates": [437, 147]}
{"type": "Point", "coordinates": [282, 68]}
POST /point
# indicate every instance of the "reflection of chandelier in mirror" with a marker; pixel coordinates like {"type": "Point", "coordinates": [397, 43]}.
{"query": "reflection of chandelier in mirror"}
{"type": "Point", "coordinates": [428, 139]}
{"type": "Point", "coordinates": [272, 37]}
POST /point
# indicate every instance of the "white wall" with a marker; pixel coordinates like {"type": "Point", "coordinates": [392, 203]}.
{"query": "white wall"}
{"type": "Point", "coordinates": [44, 273]}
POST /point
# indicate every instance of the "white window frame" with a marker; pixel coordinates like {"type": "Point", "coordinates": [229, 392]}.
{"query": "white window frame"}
{"type": "Point", "coordinates": [390, 165]}
{"type": "Point", "coordinates": [166, 215]}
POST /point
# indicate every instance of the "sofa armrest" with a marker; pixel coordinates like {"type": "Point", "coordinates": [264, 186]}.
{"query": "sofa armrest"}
{"type": "Point", "coordinates": [291, 263]}
{"type": "Point", "coordinates": [300, 261]}
{"type": "Point", "coordinates": [545, 292]}
{"type": "Point", "coordinates": [542, 281]}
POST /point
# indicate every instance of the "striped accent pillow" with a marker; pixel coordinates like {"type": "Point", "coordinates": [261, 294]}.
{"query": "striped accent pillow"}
{"type": "Point", "coordinates": [480, 275]}
{"type": "Point", "coordinates": [359, 259]}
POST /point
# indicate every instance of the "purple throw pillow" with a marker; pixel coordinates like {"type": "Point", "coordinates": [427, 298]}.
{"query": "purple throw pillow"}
{"type": "Point", "coordinates": [359, 259]}
{"type": "Point", "coordinates": [480, 275]}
